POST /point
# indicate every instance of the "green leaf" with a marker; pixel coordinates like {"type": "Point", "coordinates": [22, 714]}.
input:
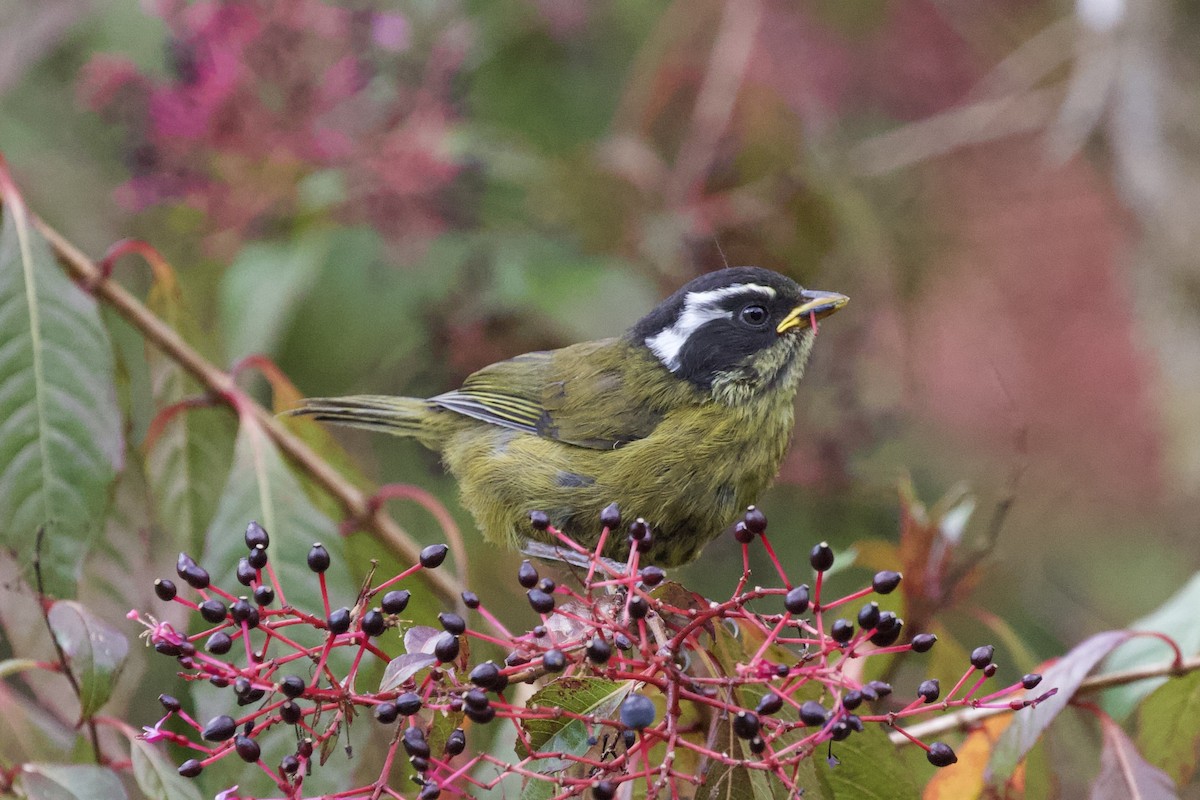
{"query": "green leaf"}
{"type": "Point", "coordinates": [95, 652]}
{"type": "Point", "coordinates": [261, 488]}
{"type": "Point", "coordinates": [596, 696]}
{"type": "Point", "coordinates": [869, 768]}
{"type": "Point", "coordinates": [70, 782]}
{"type": "Point", "coordinates": [1175, 618]}
{"type": "Point", "coordinates": [156, 776]}
{"type": "Point", "coordinates": [60, 436]}
{"type": "Point", "coordinates": [1167, 730]}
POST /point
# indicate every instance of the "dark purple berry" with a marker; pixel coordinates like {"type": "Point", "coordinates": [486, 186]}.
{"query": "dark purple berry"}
{"type": "Point", "coordinates": [821, 557]}
{"type": "Point", "coordinates": [554, 661]}
{"type": "Point", "coordinates": [638, 529]}
{"type": "Point", "coordinates": [745, 724]}
{"type": "Point", "coordinates": [755, 519]}
{"type": "Point", "coordinates": [446, 648]}
{"type": "Point", "coordinates": [852, 700]}
{"type": "Point", "coordinates": [246, 574]}
{"type": "Point", "coordinates": [643, 544]}
{"type": "Point", "coordinates": [527, 574]}
{"type": "Point", "coordinates": [190, 768]}
{"type": "Point", "coordinates": [257, 557]}
{"type": "Point", "coordinates": [338, 620]}
{"type": "Point", "coordinates": [539, 520]}
{"type": "Point", "coordinates": [604, 790]}
{"type": "Point", "coordinates": [247, 748]}
{"type": "Point", "coordinates": [318, 558]}
{"type": "Point", "coordinates": [264, 595]}
{"type": "Point", "coordinates": [304, 748]}
{"type": "Point", "coordinates": [599, 651]}
{"type": "Point", "coordinates": [757, 745]}
{"type": "Point", "coordinates": [477, 699]}
{"type": "Point", "coordinates": [395, 602]}
{"type": "Point", "coordinates": [982, 656]}
{"type": "Point", "coordinates": [197, 577]}
{"type": "Point", "coordinates": [166, 648]}
{"type": "Point", "coordinates": [941, 755]}
{"type": "Point", "coordinates": [373, 622]}
{"type": "Point", "coordinates": [930, 690]}
{"type": "Point", "coordinates": [415, 743]}
{"type": "Point", "coordinates": [430, 791]}
{"type": "Point", "coordinates": [485, 675]}
{"type": "Point", "coordinates": [886, 581]}
{"type": "Point", "coordinates": [880, 688]}
{"type": "Point", "coordinates": [637, 712]}
{"type": "Point", "coordinates": [796, 600]}
{"type": "Point", "coordinates": [885, 637]}
{"type": "Point", "coordinates": [868, 616]}
{"type": "Point", "coordinates": [289, 764]}
{"type": "Point", "coordinates": [742, 534]}
{"type": "Point", "coordinates": [540, 601]}
{"type": "Point", "coordinates": [922, 642]}
{"type": "Point", "coordinates": [165, 590]}
{"type": "Point", "coordinates": [470, 599]}
{"type": "Point", "coordinates": [452, 623]}
{"type": "Point", "coordinates": [610, 517]}
{"type": "Point", "coordinates": [547, 585]}
{"type": "Point", "coordinates": [169, 702]}
{"type": "Point", "coordinates": [419, 764]}
{"type": "Point", "coordinates": [481, 716]}
{"type": "Point", "coordinates": [290, 713]}
{"type": "Point", "coordinates": [990, 670]}
{"type": "Point", "coordinates": [213, 611]}
{"type": "Point", "coordinates": [386, 713]}
{"type": "Point", "coordinates": [769, 704]}
{"type": "Point", "coordinates": [638, 607]}
{"type": "Point", "coordinates": [433, 556]}
{"type": "Point", "coordinates": [842, 631]}
{"type": "Point", "coordinates": [182, 563]}
{"type": "Point", "coordinates": [540, 631]}
{"type": "Point", "coordinates": [241, 610]}
{"type": "Point", "coordinates": [292, 686]}
{"type": "Point", "coordinates": [813, 713]}
{"type": "Point", "coordinates": [652, 576]}
{"type": "Point", "coordinates": [218, 644]}
{"type": "Point", "coordinates": [456, 742]}
{"type": "Point", "coordinates": [622, 642]}
{"type": "Point", "coordinates": [1031, 680]}
{"type": "Point", "coordinates": [408, 703]}
{"type": "Point", "coordinates": [219, 728]}
{"type": "Point", "coordinates": [256, 535]}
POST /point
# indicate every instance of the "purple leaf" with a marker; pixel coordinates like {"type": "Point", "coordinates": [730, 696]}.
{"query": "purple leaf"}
{"type": "Point", "coordinates": [1124, 774]}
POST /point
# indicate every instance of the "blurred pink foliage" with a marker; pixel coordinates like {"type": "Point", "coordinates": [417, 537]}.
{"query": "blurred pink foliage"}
{"type": "Point", "coordinates": [264, 93]}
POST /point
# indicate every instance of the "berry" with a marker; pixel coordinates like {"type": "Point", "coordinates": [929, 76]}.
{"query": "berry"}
{"type": "Point", "coordinates": [476, 699]}
{"type": "Point", "coordinates": [880, 688]}
{"type": "Point", "coordinates": [742, 534]}
{"type": "Point", "coordinates": [247, 748]}
{"type": "Point", "coordinates": [433, 556]}
{"type": "Point", "coordinates": [408, 703]}
{"type": "Point", "coordinates": [190, 768]}
{"type": "Point", "coordinates": [604, 790]}
{"type": "Point", "coordinates": [637, 712]}
{"type": "Point", "coordinates": [470, 599]}
{"type": "Point", "coordinates": [456, 742]}
{"type": "Point", "coordinates": [485, 675]}
{"type": "Point", "coordinates": [290, 713]}
{"type": "Point", "coordinates": [430, 791]}
{"type": "Point", "coordinates": [540, 631]}
{"type": "Point", "coordinates": [292, 686]}
{"type": "Point", "coordinates": [821, 557]}
{"type": "Point", "coordinates": [796, 600]}
{"type": "Point", "coordinates": [852, 700]}
{"type": "Point", "coordinates": [813, 713]}
{"type": "Point", "coordinates": [638, 608]}
{"type": "Point", "coordinates": [886, 581]}
{"type": "Point", "coordinates": [304, 748]}
{"type": "Point", "coordinates": [182, 563]}
{"type": "Point", "coordinates": [246, 574]}
{"type": "Point", "coordinates": [169, 702]}
{"type": "Point", "coordinates": [197, 577]}
{"type": "Point", "coordinates": [941, 755]}
{"type": "Point", "coordinates": [610, 516]}
{"type": "Point", "coordinates": [386, 713]}
{"type": "Point", "coordinates": [240, 610]}
{"type": "Point", "coordinates": [769, 704]}
{"type": "Point", "coordinates": [599, 651]}
{"type": "Point", "coordinates": [264, 595]}
{"type": "Point", "coordinates": [554, 661]}
{"type": "Point", "coordinates": [755, 519]}
{"type": "Point", "coordinates": [1031, 680]}
{"type": "Point", "coordinates": [842, 631]}
{"type": "Point", "coordinates": [886, 636]}
{"type": "Point", "coordinates": [165, 590]}
{"type": "Point", "coordinates": [527, 574]}
{"type": "Point", "coordinates": [745, 724]}
{"type": "Point", "coordinates": [338, 621]}
{"type": "Point", "coordinates": [219, 728]}
{"type": "Point", "coordinates": [990, 670]}
{"type": "Point", "coordinates": [547, 585]}
{"type": "Point", "coordinates": [318, 558]}
{"type": "Point", "coordinates": [415, 743]}
{"type": "Point", "coordinates": [256, 535]}
{"type": "Point", "coordinates": [218, 644]}
{"type": "Point", "coordinates": [982, 656]}
{"type": "Point", "coordinates": [289, 764]}
{"type": "Point", "coordinates": [539, 520]}
{"type": "Point", "coordinates": [922, 642]}
{"type": "Point", "coordinates": [930, 690]}
{"type": "Point", "coordinates": [446, 648]}
{"type": "Point", "coordinates": [638, 529]}
{"type": "Point", "coordinates": [452, 622]}
{"type": "Point", "coordinates": [481, 716]}
{"type": "Point", "coordinates": [213, 611]}
{"type": "Point", "coordinates": [868, 616]}
{"type": "Point", "coordinates": [395, 602]}
{"type": "Point", "coordinates": [257, 557]}
{"type": "Point", "coordinates": [373, 622]}
{"type": "Point", "coordinates": [652, 576]}
{"type": "Point", "coordinates": [541, 602]}
{"type": "Point", "coordinates": [757, 745]}
{"type": "Point", "coordinates": [622, 642]}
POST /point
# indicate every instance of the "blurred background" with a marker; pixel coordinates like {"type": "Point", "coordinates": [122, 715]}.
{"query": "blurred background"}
{"type": "Point", "coordinates": [384, 197]}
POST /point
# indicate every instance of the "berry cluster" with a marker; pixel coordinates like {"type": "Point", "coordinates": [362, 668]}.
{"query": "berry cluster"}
{"type": "Point", "coordinates": [640, 679]}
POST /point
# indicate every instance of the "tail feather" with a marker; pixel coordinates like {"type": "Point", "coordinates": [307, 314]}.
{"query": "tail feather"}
{"type": "Point", "coordinates": [401, 416]}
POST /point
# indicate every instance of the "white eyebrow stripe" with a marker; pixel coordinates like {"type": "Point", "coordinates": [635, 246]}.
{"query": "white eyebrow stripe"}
{"type": "Point", "coordinates": [699, 308]}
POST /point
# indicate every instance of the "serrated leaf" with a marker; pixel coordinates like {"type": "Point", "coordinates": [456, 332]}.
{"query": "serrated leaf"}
{"type": "Point", "coordinates": [1174, 618]}
{"type": "Point", "coordinates": [869, 768]}
{"type": "Point", "coordinates": [1065, 675]}
{"type": "Point", "coordinates": [95, 652]}
{"type": "Point", "coordinates": [260, 487]}
{"type": "Point", "coordinates": [597, 696]}
{"type": "Point", "coordinates": [60, 435]}
{"type": "Point", "coordinates": [156, 776]}
{"type": "Point", "coordinates": [1168, 732]}
{"type": "Point", "coordinates": [70, 782]}
{"type": "Point", "coordinates": [1124, 774]}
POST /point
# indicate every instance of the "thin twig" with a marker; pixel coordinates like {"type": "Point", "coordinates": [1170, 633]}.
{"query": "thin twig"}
{"type": "Point", "coordinates": [969, 717]}
{"type": "Point", "coordinates": [353, 501]}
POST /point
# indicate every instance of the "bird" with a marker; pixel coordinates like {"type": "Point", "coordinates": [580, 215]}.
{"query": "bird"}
{"type": "Point", "coordinates": [682, 421]}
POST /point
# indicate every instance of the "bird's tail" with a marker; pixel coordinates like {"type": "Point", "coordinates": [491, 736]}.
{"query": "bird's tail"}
{"type": "Point", "coordinates": [400, 416]}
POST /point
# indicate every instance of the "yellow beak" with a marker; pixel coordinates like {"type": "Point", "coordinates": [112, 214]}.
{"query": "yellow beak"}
{"type": "Point", "coordinates": [819, 304]}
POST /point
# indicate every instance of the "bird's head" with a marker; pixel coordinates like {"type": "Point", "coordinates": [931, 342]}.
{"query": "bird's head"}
{"type": "Point", "coordinates": [736, 332]}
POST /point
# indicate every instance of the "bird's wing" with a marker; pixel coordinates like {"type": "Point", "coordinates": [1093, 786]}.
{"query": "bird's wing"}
{"type": "Point", "coordinates": [576, 395]}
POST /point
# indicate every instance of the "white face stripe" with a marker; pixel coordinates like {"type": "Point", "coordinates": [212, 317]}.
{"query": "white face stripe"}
{"type": "Point", "coordinates": [699, 308]}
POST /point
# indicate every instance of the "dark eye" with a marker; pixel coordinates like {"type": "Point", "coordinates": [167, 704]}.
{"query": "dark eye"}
{"type": "Point", "coordinates": [754, 316]}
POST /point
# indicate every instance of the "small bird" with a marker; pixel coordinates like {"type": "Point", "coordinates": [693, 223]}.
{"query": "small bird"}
{"type": "Point", "coordinates": [682, 421]}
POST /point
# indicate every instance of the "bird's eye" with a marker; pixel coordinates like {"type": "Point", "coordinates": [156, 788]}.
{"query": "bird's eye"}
{"type": "Point", "coordinates": [755, 316]}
